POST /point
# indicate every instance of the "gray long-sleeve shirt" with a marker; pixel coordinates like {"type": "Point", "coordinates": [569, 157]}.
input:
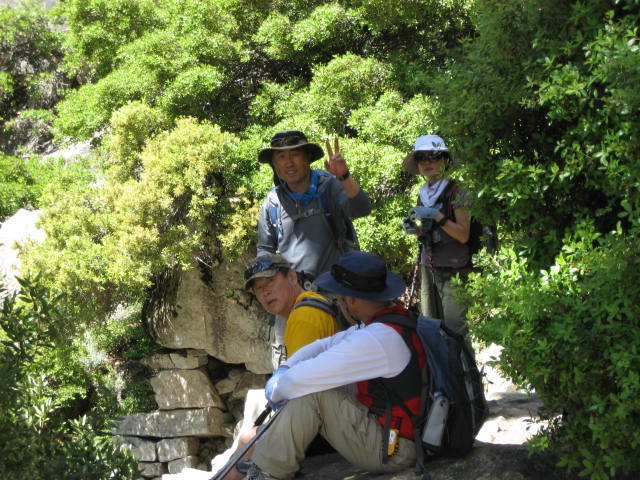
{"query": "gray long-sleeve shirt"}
{"type": "Point", "coordinates": [303, 234]}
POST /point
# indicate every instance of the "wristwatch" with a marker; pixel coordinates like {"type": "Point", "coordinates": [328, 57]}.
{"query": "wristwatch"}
{"type": "Point", "coordinates": [345, 176]}
{"type": "Point", "coordinates": [442, 221]}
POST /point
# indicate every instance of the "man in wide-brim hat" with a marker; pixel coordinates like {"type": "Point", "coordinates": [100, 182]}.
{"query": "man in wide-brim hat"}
{"type": "Point", "coordinates": [373, 429]}
{"type": "Point", "coordinates": [306, 217]}
{"type": "Point", "coordinates": [296, 220]}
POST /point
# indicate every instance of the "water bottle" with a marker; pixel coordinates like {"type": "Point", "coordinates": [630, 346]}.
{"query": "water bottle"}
{"type": "Point", "coordinates": [436, 421]}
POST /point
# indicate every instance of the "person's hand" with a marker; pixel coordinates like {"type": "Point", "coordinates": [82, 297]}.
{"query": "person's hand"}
{"type": "Point", "coordinates": [421, 212]}
{"type": "Point", "coordinates": [270, 387]}
{"type": "Point", "coordinates": [410, 227]}
{"type": "Point", "coordinates": [336, 165]}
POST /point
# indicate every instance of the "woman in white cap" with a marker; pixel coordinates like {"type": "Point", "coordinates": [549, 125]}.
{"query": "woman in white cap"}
{"type": "Point", "coordinates": [441, 209]}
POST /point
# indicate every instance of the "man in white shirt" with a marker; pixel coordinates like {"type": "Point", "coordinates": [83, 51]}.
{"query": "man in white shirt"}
{"type": "Point", "coordinates": [371, 429]}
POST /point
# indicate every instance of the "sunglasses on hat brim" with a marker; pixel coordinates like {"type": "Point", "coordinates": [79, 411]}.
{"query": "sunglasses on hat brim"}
{"type": "Point", "coordinates": [262, 265]}
{"type": "Point", "coordinates": [288, 141]}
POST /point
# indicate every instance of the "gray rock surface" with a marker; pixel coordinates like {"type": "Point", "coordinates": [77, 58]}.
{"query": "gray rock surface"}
{"type": "Point", "coordinates": [185, 389]}
{"type": "Point", "coordinates": [201, 422]}
{"type": "Point", "coordinates": [212, 314]}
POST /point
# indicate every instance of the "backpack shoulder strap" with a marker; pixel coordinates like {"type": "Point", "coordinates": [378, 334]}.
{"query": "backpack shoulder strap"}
{"type": "Point", "coordinates": [409, 323]}
{"type": "Point", "coordinates": [274, 211]}
{"type": "Point", "coordinates": [341, 226]}
{"type": "Point", "coordinates": [319, 303]}
{"type": "Point", "coordinates": [447, 196]}
{"type": "Point", "coordinates": [327, 306]}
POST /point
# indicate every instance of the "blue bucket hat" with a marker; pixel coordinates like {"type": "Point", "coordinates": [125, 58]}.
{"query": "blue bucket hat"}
{"type": "Point", "coordinates": [362, 275]}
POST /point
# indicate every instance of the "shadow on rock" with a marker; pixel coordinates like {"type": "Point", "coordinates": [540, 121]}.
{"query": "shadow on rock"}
{"type": "Point", "coordinates": [485, 462]}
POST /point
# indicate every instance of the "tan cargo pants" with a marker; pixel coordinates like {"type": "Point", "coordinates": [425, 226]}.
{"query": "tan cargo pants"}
{"type": "Point", "coordinates": [342, 420]}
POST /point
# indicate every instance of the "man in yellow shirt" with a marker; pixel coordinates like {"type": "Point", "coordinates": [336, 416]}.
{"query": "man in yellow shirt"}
{"type": "Point", "coordinates": [275, 285]}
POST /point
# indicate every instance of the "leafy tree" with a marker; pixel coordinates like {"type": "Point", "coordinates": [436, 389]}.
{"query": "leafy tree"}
{"type": "Point", "coordinates": [98, 28]}
{"type": "Point", "coordinates": [543, 107]}
{"type": "Point", "coordinates": [161, 203]}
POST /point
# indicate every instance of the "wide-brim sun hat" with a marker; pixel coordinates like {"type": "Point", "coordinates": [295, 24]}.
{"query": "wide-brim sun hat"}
{"type": "Point", "coordinates": [425, 143]}
{"type": "Point", "coordinates": [264, 266]}
{"type": "Point", "coordinates": [362, 275]}
{"type": "Point", "coordinates": [289, 140]}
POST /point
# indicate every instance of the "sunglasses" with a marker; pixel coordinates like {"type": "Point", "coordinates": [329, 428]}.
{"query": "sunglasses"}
{"type": "Point", "coordinates": [349, 279]}
{"type": "Point", "coordinates": [261, 266]}
{"type": "Point", "coordinates": [430, 157]}
{"type": "Point", "coordinates": [288, 141]}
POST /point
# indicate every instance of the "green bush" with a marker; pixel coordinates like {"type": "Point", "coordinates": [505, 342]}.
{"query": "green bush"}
{"type": "Point", "coordinates": [572, 333]}
{"type": "Point", "coordinates": [549, 144]}
{"type": "Point", "coordinates": [46, 429]}
{"type": "Point", "coordinates": [161, 204]}
{"type": "Point", "coordinates": [22, 182]}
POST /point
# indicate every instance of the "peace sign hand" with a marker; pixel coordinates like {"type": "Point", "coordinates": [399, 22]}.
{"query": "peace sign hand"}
{"type": "Point", "coordinates": [336, 164]}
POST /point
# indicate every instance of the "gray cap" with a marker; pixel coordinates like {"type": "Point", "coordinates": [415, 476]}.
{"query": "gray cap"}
{"type": "Point", "coordinates": [264, 265]}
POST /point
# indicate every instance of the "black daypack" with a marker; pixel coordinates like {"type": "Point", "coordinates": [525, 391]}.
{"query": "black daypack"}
{"type": "Point", "coordinates": [453, 407]}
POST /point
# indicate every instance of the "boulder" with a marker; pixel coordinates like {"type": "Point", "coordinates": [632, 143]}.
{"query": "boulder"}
{"type": "Point", "coordinates": [202, 422]}
{"type": "Point", "coordinates": [210, 311]}
{"type": "Point", "coordinates": [185, 389]}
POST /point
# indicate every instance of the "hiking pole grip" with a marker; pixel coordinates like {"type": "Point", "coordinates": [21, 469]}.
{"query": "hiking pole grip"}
{"type": "Point", "coordinates": [263, 416]}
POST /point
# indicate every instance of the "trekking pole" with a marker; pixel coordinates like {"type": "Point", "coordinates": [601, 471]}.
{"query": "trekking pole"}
{"type": "Point", "coordinates": [428, 293]}
{"type": "Point", "coordinates": [238, 454]}
{"type": "Point", "coordinates": [414, 279]}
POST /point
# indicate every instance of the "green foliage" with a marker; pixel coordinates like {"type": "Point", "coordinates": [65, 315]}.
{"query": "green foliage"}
{"type": "Point", "coordinates": [572, 332]}
{"type": "Point", "coordinates": [160, 209]}
{"type": "Point", "coordinates": [45, 431]}
{"type": "Point", "coordinates": [549, 143]}
{"type": "Point", "coordinates": [98, 28]}
{"type": "Point", "coordinates": [131, 127]}
{"type": "Point", "coordinates": [163, 58]}
{"type": "Point", "coordinates": [393, 121]}
{"type": "Point", "coordinates": [21, 183]}
{"type": "Point", "coordinates": [28, 48]}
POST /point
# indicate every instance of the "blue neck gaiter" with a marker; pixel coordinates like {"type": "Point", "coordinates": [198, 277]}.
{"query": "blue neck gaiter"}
{"type": "Point", "coordinates": [310, 194]}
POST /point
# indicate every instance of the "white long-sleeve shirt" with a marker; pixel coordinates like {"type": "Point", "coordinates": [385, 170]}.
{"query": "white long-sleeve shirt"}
{"type": "Point", "coordinates": [357, 354]}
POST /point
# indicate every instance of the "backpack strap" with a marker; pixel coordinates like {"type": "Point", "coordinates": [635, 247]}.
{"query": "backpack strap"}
{"type": "Point", "coordinates": [342, 228]}
{"type": "Point", "coordinates": [319, 303]}
{"type": "Point", "coordinates": [327, 306]}
{"type": "Point", "coordinates": [447, 196]}
{"type": "Point", "coordinates": [409, 324]}
{"type": "Point", "coordinates": [274, 213]}
{"type": "Point", "coordinates": [344, 232]}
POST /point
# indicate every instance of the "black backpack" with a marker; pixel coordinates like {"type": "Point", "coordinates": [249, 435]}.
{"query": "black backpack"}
{"type": "Point", "coordinates": [453, 407]}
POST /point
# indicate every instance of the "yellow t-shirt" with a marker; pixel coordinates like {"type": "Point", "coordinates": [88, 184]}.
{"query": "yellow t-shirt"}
{"type": "Point", "coordinates": [307, 324]}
